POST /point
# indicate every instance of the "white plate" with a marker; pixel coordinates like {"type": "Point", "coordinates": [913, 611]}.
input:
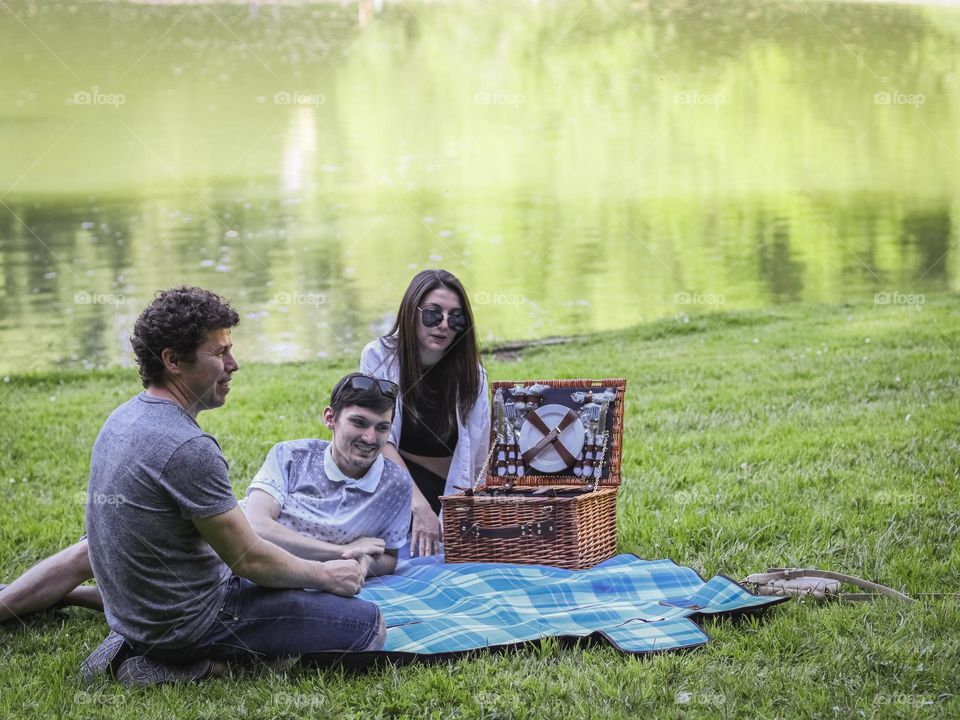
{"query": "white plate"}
{"type": "Point", "coordinates": [549, 460]}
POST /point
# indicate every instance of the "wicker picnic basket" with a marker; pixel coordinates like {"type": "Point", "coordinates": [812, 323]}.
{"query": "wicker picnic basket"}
{"type": "Point", "coordinates": [556, 518]}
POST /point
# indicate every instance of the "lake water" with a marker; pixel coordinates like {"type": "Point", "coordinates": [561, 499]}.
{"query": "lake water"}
{"type": "Point", "coordinates": [581, 166]}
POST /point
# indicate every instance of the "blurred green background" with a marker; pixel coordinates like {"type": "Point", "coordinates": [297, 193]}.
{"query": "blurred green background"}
{"type": "Point", "coordinates": [581, 166]}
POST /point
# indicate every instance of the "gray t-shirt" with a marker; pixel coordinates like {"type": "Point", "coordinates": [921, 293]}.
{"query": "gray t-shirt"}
{"type": "Point", "coordinates": [153, 471]}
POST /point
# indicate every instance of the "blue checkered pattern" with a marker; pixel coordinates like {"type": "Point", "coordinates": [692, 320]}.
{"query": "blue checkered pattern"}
{"type": "Point", "coordinates": [639, 606]}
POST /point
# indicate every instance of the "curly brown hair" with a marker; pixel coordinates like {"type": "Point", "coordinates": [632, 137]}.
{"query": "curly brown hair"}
{"type": "Point", "coordinates": [179, 319]}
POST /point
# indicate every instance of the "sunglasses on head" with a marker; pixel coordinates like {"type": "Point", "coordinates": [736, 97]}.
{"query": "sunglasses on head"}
{"type": "Point", "coordinates": [363, 383]}
{"type": "Point", "coordinates": [431, 317]}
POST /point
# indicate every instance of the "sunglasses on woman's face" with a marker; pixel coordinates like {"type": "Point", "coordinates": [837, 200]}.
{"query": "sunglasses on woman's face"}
{"type": "Point", "coordinates": [431, 317]}
{"type": "Point", "coordinates": [363, 383]}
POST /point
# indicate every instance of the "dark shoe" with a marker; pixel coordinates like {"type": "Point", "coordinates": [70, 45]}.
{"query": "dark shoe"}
{"type": "Point", "coordinates": [107, 657]}
{"type": "Point", "coordinates": [141, 671]}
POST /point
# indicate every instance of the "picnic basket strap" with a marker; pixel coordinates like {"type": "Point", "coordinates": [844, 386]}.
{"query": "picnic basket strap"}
{"type": "Point", "coordinates": [857, 597]}
{"type": "Point", "coordinates": [790, 573]}
{"type": "Point", "coordinates": [550, 437]}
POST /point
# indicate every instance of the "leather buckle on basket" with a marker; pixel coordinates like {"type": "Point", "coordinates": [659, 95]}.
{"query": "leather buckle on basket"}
{"type": "Point", "coordinates": [538, 529]}
{"type": "Point", "coordinates": [469, 528]}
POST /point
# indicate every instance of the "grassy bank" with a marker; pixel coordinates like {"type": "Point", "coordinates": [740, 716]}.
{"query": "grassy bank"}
{"type": "Point", "coordinates": [811, 435]}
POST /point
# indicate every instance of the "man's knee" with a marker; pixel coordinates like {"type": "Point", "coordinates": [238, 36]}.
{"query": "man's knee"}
{"type": "Point", "coordinates": [76, 560]}
{"type": "Point", "coordinates": [80, 557]}
{"type": "Point", "coordinates": [381, 637]}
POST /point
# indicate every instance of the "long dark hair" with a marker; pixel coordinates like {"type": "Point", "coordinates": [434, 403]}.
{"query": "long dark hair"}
{"type": "Point", "coordinates": [458, 371]}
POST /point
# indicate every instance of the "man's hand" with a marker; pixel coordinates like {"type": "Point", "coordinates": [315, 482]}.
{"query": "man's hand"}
{"type": "Point", "coordinates": [264, 563]}
{"type": "Point", "coordinates": [364, 546]}
{"type": "Point", "coordinates": [425, 536]}
{"type": "Point", "coordinates": [366, 562]}
{"type": "Point", "coordinates": [344, 577]}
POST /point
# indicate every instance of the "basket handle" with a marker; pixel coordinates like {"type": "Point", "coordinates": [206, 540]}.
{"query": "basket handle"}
{"type": "Point", "coordinates": [543, 529]}
{"type": "Point", "coordinates": [482, 474]}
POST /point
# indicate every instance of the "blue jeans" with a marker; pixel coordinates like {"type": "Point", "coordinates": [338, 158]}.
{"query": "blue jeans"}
{"type": "Point", "coordinates": [260, 623]}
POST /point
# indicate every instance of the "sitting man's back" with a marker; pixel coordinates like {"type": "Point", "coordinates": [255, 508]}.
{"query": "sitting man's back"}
{"type": "Point", "coordinates": [154, 471]}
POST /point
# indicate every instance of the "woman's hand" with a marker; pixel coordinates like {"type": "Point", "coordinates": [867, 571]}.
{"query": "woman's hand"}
{"type": "Point", "coordinates": [425, 535]}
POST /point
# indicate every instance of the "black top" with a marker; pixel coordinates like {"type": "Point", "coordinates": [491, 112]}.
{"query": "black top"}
{"type": "Point", "coordinates": [417, 435]}
{"type": "Point", "coordinates": [429, 483]}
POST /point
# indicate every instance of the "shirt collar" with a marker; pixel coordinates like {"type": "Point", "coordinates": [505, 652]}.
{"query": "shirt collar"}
{"type": "Point", "coordinates": [367, 483]}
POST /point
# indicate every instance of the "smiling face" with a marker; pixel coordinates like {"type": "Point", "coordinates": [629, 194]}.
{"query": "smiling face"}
{"type": "Point", "coordinates": [359, 435]}
{"type": "Point", "coordinates": [433, 342]}
{"type": "Point", "coordinates": [204, 382]}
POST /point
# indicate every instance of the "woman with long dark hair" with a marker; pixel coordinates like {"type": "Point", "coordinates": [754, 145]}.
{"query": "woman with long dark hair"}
{"type": "Point", "coordinates": [441, 430]}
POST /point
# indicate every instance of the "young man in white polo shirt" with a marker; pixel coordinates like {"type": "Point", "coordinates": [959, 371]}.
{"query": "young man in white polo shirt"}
{"type": "Point", "coordinates": [340, 499]}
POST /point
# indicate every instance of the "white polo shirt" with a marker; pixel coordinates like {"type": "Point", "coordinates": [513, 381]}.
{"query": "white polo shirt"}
{"type": "Point", "coordinates": [318, 500]}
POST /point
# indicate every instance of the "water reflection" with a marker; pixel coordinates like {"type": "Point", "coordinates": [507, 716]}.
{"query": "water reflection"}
{"type": "Point", "coordinates": [303, 299]}
{"type": "Point", "coordinates": [928, 235]}
{"type": "Point", "coordinates": [299, 154]}
{"type": "Point", "coordinates": [579, 170]}
{"type": "Point", "coordinates": [779, 270]}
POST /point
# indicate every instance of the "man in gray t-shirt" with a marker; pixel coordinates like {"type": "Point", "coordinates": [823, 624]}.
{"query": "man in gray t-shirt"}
{"type": "Point", "coordinates": [185, 580]}
{"type": "Point", "coordinates": [152, 473]}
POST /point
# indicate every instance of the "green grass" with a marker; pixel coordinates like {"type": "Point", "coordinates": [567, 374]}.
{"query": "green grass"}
{"type": "Point", "coordinates": [805, 435]}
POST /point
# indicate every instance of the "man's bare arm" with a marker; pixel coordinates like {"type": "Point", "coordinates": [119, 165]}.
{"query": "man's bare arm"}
{"type": "Point", "coordinates": [263, 510]}
{"type": "Point", "coordinates": [383, 565]}
{"type": "Point", "coordinates": [262, 562]}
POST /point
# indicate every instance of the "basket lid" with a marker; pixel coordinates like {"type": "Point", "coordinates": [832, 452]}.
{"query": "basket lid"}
{"type": "Point", "coordinates": [559, 432]}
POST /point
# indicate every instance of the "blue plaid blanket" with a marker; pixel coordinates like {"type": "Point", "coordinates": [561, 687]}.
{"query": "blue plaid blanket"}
{"type": "Point", "coordinates": [638, 606]}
